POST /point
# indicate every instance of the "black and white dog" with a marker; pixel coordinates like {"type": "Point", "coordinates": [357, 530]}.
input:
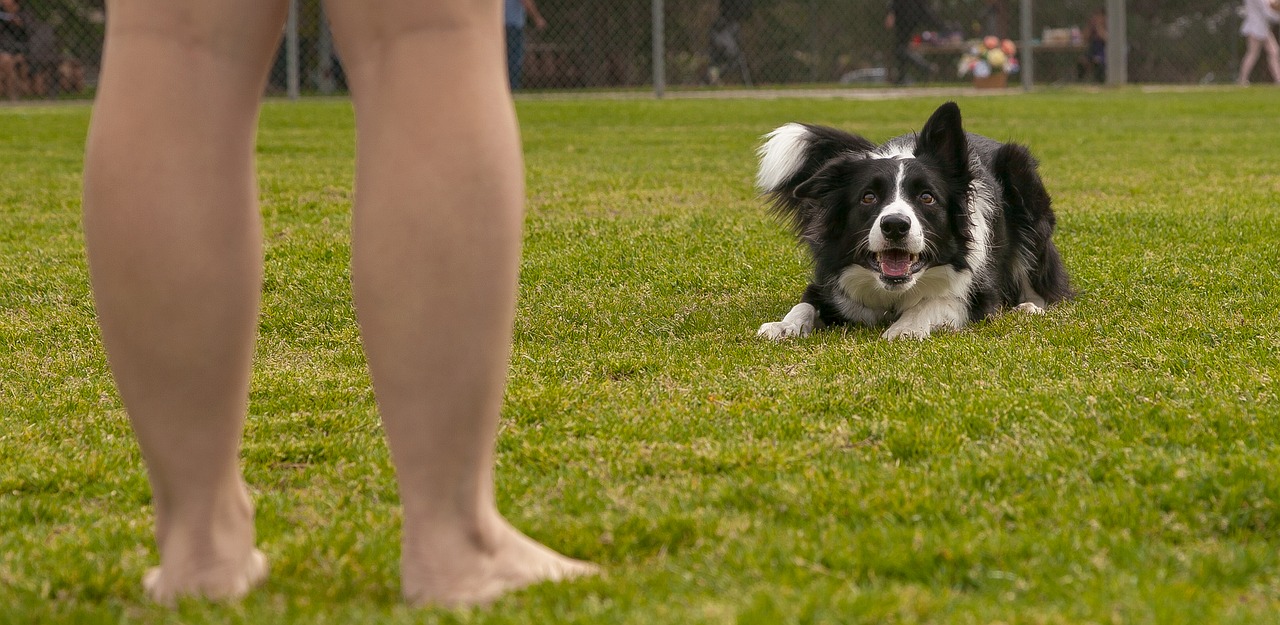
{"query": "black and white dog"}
{"type": "Point", "coordinates": [926, 232]}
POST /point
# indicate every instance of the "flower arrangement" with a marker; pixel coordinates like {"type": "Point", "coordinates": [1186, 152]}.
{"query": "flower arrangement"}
{"type": "Point", "coordinates": [989, 56]}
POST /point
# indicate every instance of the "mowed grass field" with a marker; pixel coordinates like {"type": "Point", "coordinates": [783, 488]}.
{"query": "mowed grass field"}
{"type": "Point", "coordinates": [1114, 461]}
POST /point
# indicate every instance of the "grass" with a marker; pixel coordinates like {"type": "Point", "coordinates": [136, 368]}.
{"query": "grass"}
{"type": "Point", "coordinates": [1112, 462]}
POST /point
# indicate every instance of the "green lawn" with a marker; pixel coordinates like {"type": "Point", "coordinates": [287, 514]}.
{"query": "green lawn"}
{"type": "Point", "coordinates": [1114, 461]}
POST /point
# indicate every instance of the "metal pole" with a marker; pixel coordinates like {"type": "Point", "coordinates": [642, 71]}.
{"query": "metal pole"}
{"type": "Point", "coordinates": [1117, 44]}
{"type": "Point", "coordinates": [659, 49]}
{"type": "Point", "coordinates": [291, 50]}
{"type": "Point", "coordinates": [1028, 61]}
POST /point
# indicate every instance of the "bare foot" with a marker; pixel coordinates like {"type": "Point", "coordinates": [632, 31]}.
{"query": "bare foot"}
{"type": "Point", "coordinates": [209, 555]}
{"type": "Point", "coordinates": [221, 582]}
{"type": "Point", "coordinates": [475, 570]}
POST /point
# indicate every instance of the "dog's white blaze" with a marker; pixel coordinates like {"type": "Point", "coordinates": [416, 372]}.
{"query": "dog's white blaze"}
{"type": "Point", "coordinates": [914, 241]}
{"type": "Point", "coordinates": [781, 156]}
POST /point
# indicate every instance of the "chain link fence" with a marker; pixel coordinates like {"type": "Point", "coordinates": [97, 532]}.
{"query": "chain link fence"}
{"type": "Point", "coordinates": [52, 48]}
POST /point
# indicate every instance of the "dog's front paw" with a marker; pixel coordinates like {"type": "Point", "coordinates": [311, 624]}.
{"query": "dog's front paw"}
{"type": "Point", "coordinates": [1030, 308]}
{"type": "Point", "coordinates": [906, 330]}
{"type": "Point", "coordinates": [779, 330]}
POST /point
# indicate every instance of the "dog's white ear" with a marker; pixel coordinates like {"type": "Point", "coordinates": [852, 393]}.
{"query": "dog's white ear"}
{"type": "Point", "coordinates": [782, 155]}
{"type": "Point", "coordinates": [943, 138]}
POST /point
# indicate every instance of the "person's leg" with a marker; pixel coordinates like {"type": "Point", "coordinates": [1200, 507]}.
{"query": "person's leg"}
{"type": "Point", "coordinates": [174, 242]}
{"type": "Point", "coordinates": [926, 69]}
{"type": "Point", "coordinates": [439, 194]}
{"type": "Point", "coordinates": [1273, 57]}
{"type": "Point", "coordinates": [908, 59]}
{"type": "Point", "coordinates": [1252, 48]}
{"type": "Point", "coordinates": [901, 62]}
{"type": "Point", "coordinates": [39, 85]}
{"type": "Point", "coordinates": [21, 76]}
{"type": "Point", "coordinates": [8, 72]}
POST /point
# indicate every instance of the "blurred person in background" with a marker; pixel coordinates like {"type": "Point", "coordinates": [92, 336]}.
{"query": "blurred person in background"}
{"type": "Point", "coordinates": [516, 14]}
{"type": "Point", "coordinates": [44, 56]}
{"type": "Point", "coordinates": [906, 18]}
{"type": "Point", "coordinates": [1093, 63]}
{"type": "Point", "coordinates": [1259, 16]}
{"type": "Point", "coordinates": [14, 21]}
{"type": "Point", "coordinates": [724, 47]}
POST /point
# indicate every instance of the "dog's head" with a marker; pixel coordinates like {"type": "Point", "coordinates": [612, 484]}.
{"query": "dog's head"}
{"type": "Point", "coordinates": [894, 209]}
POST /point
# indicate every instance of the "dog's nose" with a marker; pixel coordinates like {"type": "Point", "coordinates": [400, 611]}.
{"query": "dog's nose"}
{"type": "Point", "coordinates": [895, 227]}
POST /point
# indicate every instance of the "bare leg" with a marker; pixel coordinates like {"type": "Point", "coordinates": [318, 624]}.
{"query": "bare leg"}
{"type": "Point", "coordinates": [1273, 57]}
{"type": "Point", "coordinates": [1252, 48]}
{"type": "Point", "coordinates": [8, 75]}
{"type": "Point", "coordinates": [436, 245]}
{"type": "Point", "coordinates": [174, 241]}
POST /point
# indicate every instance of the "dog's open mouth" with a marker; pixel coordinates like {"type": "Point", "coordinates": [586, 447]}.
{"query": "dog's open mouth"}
{"type": "Point", "coordinates": [898, 265]}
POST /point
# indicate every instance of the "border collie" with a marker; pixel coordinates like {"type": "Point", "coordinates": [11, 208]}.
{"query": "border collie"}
{"type": "Point", "coordinates": [929, 231]}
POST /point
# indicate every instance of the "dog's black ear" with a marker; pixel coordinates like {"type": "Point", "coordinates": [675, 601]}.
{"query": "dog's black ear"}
{"type": "Point", "coordinates": [943, 139]}
{"type": "Point", "coordinates": [828, 178]}
{"type": "Point", "coordinates": [790, 161]}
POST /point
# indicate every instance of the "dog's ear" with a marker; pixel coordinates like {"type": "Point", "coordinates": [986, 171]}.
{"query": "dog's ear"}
{"type": "Point", "coordinates": [792, 153]}
{"type": "Point", "coordinates": [790, 164]}
{"type": "Point", "coordinates": [829, 177]}
{"type": "Point", "coordinates": [943, 139]}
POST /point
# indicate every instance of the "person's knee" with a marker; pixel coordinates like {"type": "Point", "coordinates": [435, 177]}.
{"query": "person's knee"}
{"type": "Point", "coordinates": [370, 35]}
{"type": "Point", "coordinates": [239, 31]}
{"type": "Point", "coordinates": [362, 27]}
{"type": "Point", "coordinates": [390, 19]}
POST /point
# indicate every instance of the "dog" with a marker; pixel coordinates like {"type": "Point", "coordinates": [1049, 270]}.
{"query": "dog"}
{"type": "Point", "coordinates": [929, 231]}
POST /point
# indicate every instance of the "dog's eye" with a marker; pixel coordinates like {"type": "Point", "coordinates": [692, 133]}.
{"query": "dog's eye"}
{"type": "Point", "coordinates": [926, 198]}
{"type": "Point", "coordinates": [868, 198]}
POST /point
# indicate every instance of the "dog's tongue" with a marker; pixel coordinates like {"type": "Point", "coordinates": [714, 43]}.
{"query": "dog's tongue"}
{"type": "Point", "coordinates": [895, 263]}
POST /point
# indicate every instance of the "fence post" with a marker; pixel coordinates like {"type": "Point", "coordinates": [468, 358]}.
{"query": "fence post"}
{"type": "Point", "coordinates": [659, 50]}
{"type": "Point", "coordinates": [1028, 61]}
{"type": "Point", "coordinates": [291, 51]}
{"type": "Point", "coordinates": [1117, 44]}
